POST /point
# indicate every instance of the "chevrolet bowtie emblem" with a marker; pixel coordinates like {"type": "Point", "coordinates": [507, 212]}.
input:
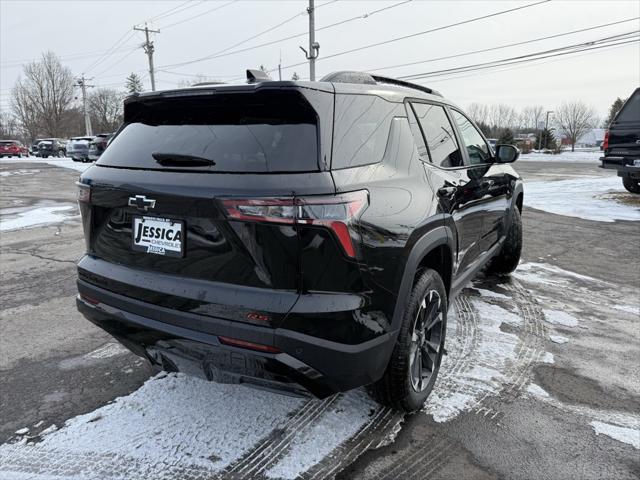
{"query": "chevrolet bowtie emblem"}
{"type": "Point", "coordinates": [141, 202]}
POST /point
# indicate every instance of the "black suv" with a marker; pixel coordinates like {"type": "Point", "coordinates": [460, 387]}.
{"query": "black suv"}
{"type": "Point", "coordinates": [622, 144]}
{"type": "Point", "coordinates": [51, 147]}
{"type": "Point", "coordinates": [305, 236]}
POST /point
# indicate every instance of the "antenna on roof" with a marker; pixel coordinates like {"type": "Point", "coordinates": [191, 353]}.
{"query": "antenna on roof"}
{"type": "Point", "coordinates": [256, 76]}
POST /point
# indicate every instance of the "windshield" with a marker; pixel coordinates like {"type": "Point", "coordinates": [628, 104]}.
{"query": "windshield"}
{"type": "Point", "coordinates": [631, 110]}
{"type": "Point", "coordinates": [253, 133]}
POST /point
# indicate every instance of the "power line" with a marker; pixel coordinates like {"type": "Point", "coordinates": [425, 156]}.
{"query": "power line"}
{"type": "Point", "coordinates": [424, 32]}
{"type": "Point", "coordinates": [199, 15]}
{"type": "Point", "coordinates": [110, 51]}
{"type": "Point", "coordinates": [174, 10]}
{"type": "Point", "coordinates": [119, 61]}
{"type": "Point", "coordinates": [71, 56]}
{"type": "Point", "coordinates": [290, 37]}
{"type": "Point", "coordinates": [539, 39]}
{"type": "Point", "coordinates": [529, 57]}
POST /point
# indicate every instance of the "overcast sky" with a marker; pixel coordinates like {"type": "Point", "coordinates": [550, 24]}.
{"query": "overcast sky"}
{"type": "Point", "coordinates": [79, 32]}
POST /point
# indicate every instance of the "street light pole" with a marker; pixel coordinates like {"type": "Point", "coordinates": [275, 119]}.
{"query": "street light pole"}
{"type": "Point", "coordinates": [546, 127]}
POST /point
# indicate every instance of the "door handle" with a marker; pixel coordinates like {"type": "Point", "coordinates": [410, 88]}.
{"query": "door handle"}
{"type": "Point", "coordinates": [447, 192]}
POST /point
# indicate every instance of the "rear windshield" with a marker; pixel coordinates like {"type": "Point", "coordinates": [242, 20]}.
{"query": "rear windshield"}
{"type": "Point", "coordinates": [631, 110]}
{"type": "Point", "coordinates": [8, 143]}
{"type": "Point", "coordinates": [256, 132]}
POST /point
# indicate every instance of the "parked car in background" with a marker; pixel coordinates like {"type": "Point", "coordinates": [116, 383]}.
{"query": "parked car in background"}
{"type": "Point", "coordinates": [13, 148]}
{"type": "Point", "coordinates": [304, 236]}
{"type": "Point", "coordinates": [98, 145]}
{"type": "Point", "coordinates": [52, 147]}
{"type": "Point", "coordinates": [78, 148]}
{"type": "Point", "coordinates": [622, 144]}
{"type": "Point", "coordinates": [493, 142]}
{"type": "Point", "coordinates": [33, 150]}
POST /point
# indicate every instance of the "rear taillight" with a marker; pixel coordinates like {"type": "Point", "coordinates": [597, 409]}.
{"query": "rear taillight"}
{"type": "Point", "coordinates": [336, 212]}
{"type": "Point", "coordinates": [84, 192]}
{"type": "Point", "coordinates": [605, 144]}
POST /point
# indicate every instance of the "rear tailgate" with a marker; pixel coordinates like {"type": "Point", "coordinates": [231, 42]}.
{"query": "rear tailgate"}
{"type": "Point", "coordinates": [624, 131]}
{"type": "Point", "coordinates": [158, 230]}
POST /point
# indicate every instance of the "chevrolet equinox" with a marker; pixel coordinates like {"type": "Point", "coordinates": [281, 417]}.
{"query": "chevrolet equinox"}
{"type": "Point", "coordinates": [300, 236]}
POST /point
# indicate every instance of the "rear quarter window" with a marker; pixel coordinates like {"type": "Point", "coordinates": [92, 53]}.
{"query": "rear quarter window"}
{"type": "Point", "coordinates": [631, 110]}
{"type": "Point", "coordinates": [361, 129]}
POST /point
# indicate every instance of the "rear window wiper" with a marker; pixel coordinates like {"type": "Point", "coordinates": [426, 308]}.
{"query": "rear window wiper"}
{"type": "Point", "coordinates": [181, 160]}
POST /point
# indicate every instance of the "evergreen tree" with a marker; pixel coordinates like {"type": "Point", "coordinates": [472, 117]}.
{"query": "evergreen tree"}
{"type": "Point", "coordinates": [548, 139]}
{"type": "Point", "coordinates": [613, 111]}
{"type": "Point", "coordinates": [506, 137]}
{"type": "Point", "coordinates": [133, 84]}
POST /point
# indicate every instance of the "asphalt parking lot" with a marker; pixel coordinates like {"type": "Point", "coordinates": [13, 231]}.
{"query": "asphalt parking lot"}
{"type": "Point", "coordinates": [541, 380]}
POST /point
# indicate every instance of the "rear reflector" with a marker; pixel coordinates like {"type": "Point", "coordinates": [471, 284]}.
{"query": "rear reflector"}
{"type": "Point", "coordinates": [605, 144]}
{"type": "Point", "coordinates": [89, 300]}
{"type": "Point", "coordinates": [234, 342]}
{"type": "Point", "coordinates": [84, 192]}
{"type": "Point", "coordinates": [335, 212]}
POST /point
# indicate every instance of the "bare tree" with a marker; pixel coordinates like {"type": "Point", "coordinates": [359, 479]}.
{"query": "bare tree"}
{"type": "Point", "coordinates": [41, 99]}
{"type": "Point", "coordinates": [105, 105]}
{"type": "Point", "coordinates": [8, 126]}
{"type": "Point", "coordinates": [502, 116]}
{"type": "Point", "coordinates": [575, 119]}
{"type": "Point", "coordinates": [531, 116]}
{"type": "Point", "coordinates": [478, 112]}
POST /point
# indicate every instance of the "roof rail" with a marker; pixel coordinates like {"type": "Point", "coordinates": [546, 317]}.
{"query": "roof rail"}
{"type": "Point", "coordinates": [402, 83]}
{"type": "Point", "coordinates": [365, 78]}
{"type": "Point", "coordinates": [202, 84]}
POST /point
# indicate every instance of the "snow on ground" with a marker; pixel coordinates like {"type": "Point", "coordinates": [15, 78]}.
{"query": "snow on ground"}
{"type": "Point", "coordinates": [16, 218]}
{"type": "Point", "coordinates": [558, 317]}
{"type": "Point", "coordinates": [579, 156]}
{"type": "Point", "coordinates": [57, 162]}
{"type": "Point", "coordinates": [622, 434]}
{"type": "Point", "coordinates": [588, 198]}
{"type": "Point", "coordinates": [176, 426]}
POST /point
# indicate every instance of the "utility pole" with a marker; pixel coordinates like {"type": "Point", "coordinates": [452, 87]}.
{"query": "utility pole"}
{"type": "Point", "coordinates": [148, 49]}
{"type": "Point", "coordinates": [82, 83]}
{"type": "Point", "coordinates": [280, 67]}
{"type": "Point", "coordinates": [314, 46]}
{"type": "Point", "coordinates": [546, 126]}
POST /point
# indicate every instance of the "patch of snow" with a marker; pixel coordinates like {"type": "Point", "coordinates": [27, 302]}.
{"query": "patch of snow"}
{"type": "Point", "coordinates": [16, 218]}
{"type": "Point", "coordinates": [578, 198]}
{"type": "Point", "coordinates": [110, 349]}
{"type": "Point", "coordinates": [348, 415]}
{"type": "Point", "coordinates": [548, 358]}
{"type": "Point", "coordinates": [57, 162]}
{"type": "Point", "coordinates": [558, 339]}
{"type": "Point", "coordinates": [537, 391]}
{"type": "Point", "coordinates": [558, 317]}
{"type": "Point", "coordinates": [628, 308]}
{"type": "Point", "coordinates": [630, 436]}
{"type": "Point", "coordinates": [19, 173]}
{"type": "Point", "coordinates": [579, 156]}
{"type": "Point", "coordinates": [491, 294]}
{"type": "Point", "coordinates": [495, 350]}
{"type": "Point", "coordinates": [22, 431]}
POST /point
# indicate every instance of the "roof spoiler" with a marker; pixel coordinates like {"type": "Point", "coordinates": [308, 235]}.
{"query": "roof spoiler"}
{"type": "Point", "coordinates": [256, 76]}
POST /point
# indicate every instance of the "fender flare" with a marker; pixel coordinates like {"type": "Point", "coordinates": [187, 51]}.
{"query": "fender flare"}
{"type": "Point", "coordinates": [436, 237]}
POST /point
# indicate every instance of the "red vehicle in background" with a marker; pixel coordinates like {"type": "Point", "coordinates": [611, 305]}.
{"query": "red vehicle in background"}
{"type": "Point", "coordinates": [13, 148]}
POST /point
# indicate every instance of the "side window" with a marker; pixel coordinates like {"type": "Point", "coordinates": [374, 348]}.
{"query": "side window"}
{"type": "Point", "coordinates": [417, 135]}
{"type": "Point", "coordinates": [477, 147]}
{"type": "Point", "coordinates": [361, 130]}
{"type": "Point", "coordinates": [438, 132]}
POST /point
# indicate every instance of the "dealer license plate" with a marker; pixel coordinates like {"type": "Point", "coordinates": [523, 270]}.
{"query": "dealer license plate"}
{"type": "Point", "coordinates": [161, 236]}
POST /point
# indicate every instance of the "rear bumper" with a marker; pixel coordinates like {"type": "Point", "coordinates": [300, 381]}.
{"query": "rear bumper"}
{"type": "Point", "coordinates": [624, 165]}
{"type": "Point", "coordinates": [187, 342]}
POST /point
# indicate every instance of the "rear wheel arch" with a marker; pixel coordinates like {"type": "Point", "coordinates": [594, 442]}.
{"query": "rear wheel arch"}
{"type": "Point", "coordinates": [433, 250]}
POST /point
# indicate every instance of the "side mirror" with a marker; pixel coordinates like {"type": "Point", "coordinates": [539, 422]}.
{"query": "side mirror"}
{"type": "Point", "coordinates": [506, 154]}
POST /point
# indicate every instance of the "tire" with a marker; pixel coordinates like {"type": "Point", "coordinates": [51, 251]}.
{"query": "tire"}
{"type": "Point", "coordinates": [506, 261]}
{"type": "Point", "coordinates": [631, 184]}
{"type": "Point", "coordinates": [399, 388]}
